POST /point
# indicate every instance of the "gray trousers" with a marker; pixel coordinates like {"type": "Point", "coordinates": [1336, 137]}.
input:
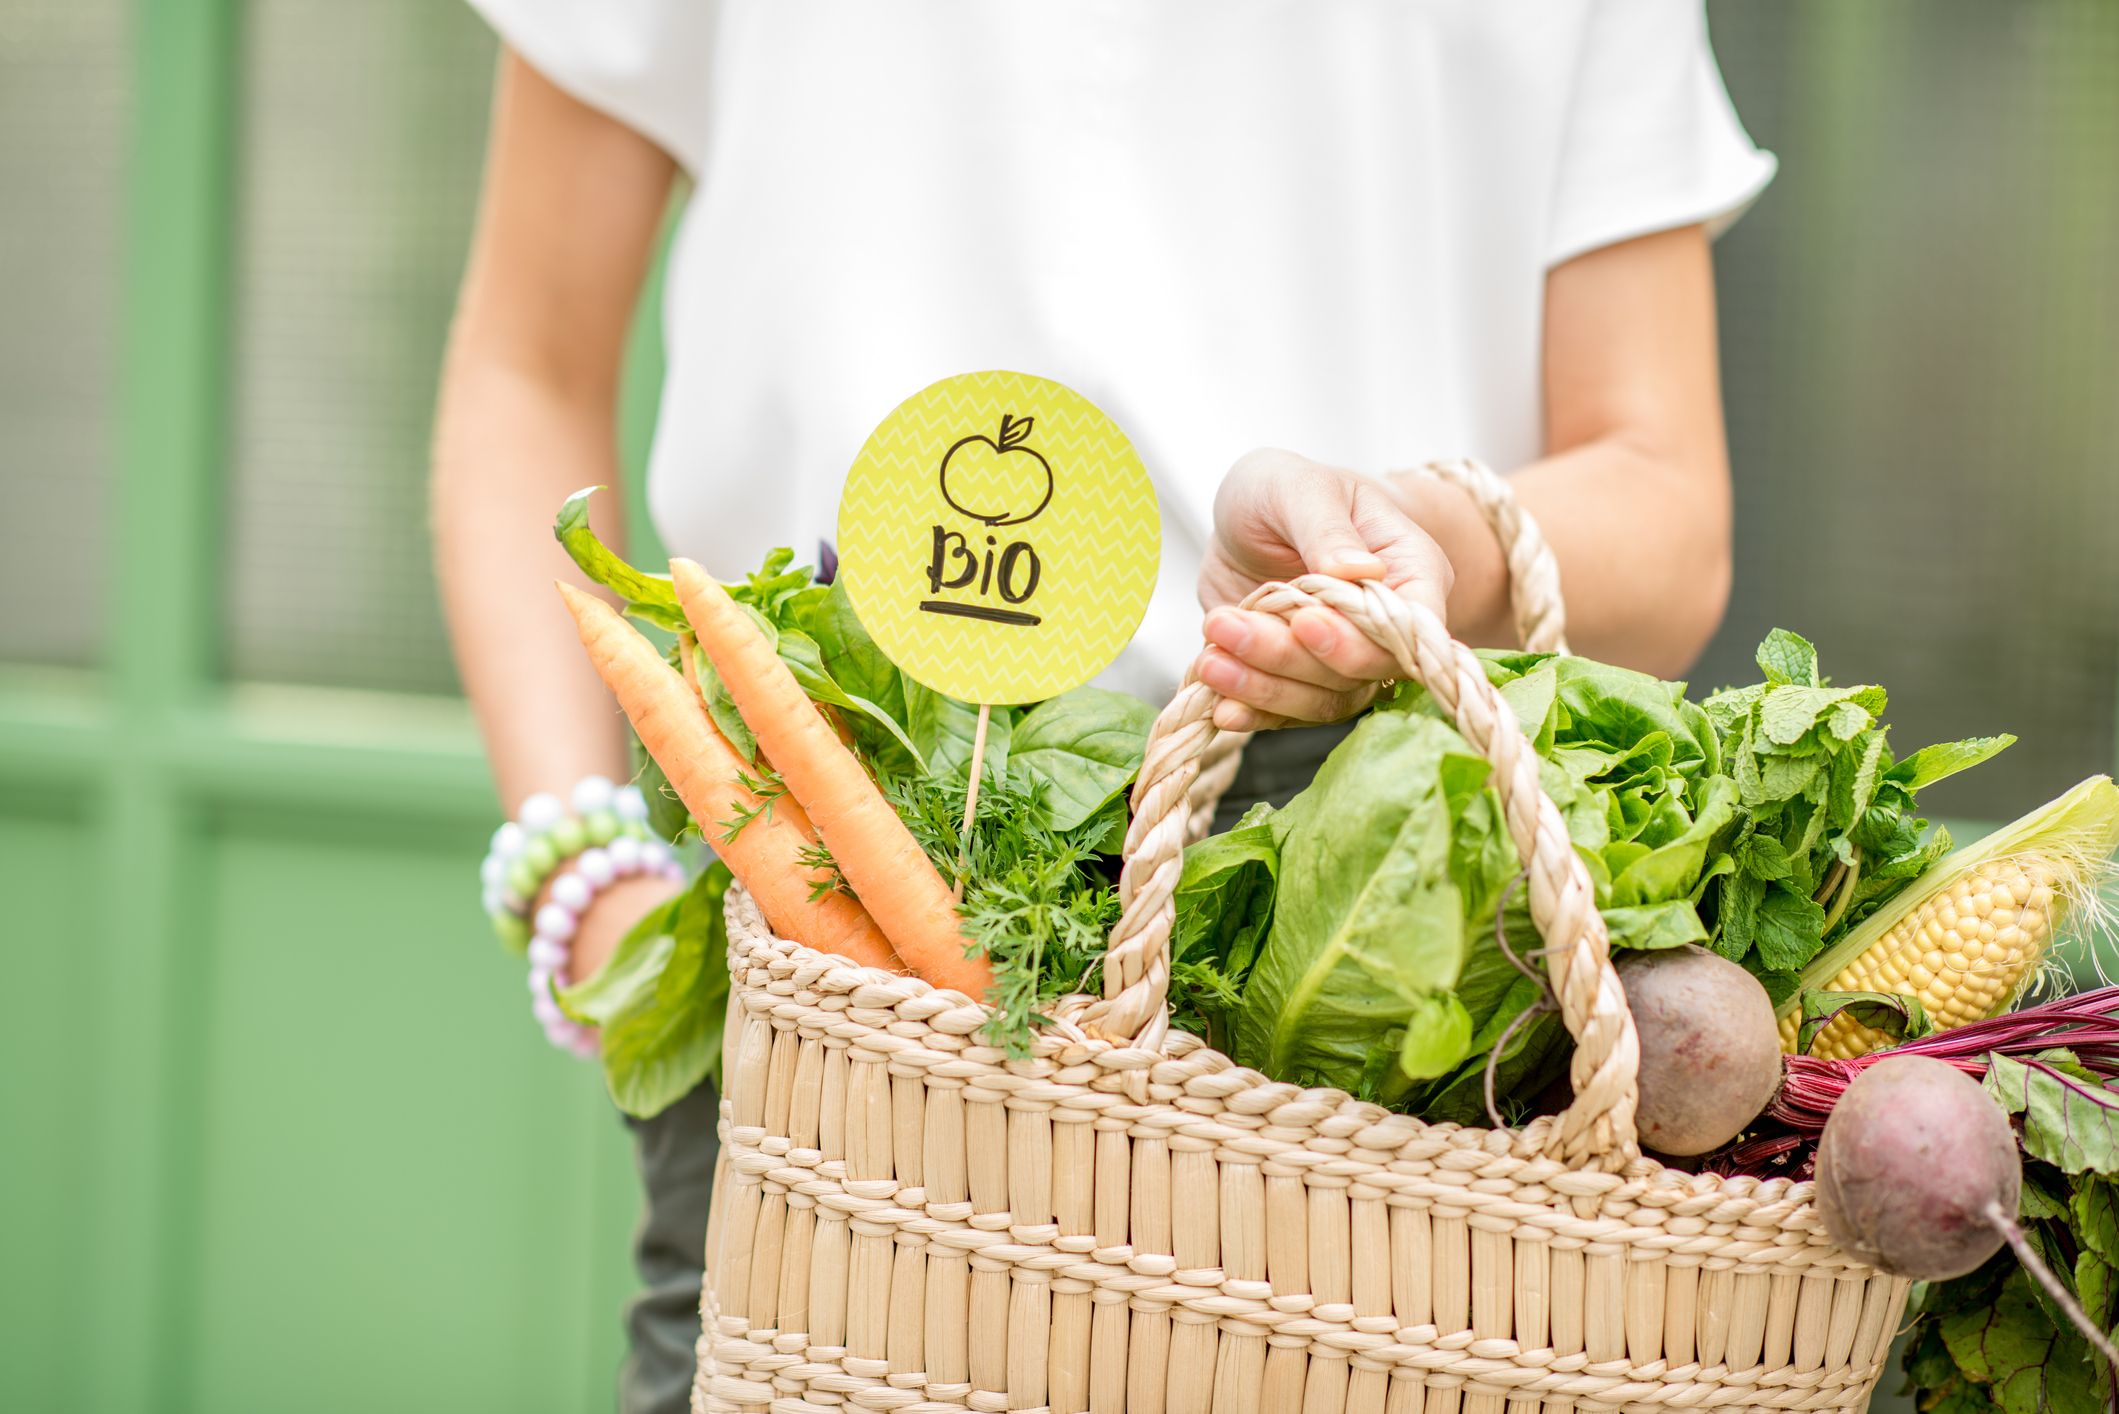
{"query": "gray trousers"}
{"type": "Point", "coordinates": [676, 1148]}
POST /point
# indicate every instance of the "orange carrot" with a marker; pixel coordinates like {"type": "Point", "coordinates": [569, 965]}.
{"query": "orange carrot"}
{"type": "Point", "coordinates": [888, 870]}
{"type": "Point", "coordinates": [707, 775]}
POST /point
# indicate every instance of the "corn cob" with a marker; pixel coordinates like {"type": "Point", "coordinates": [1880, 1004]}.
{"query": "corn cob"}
{"type": "Point", "coordinates": [1969, 935]}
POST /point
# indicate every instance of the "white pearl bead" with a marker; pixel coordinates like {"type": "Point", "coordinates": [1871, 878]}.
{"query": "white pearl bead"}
{"type": "Point", "coordinates": [631, 805]}
{"type": "Point", "coordinates": [491, 899]}
{"type": "Point", "coordinates": [594, 865]}
{"type": "Point", "coordinates": [540, 813]}
{"type": "Point", "coordinates": [540, 982]}
{"type": "Point", "coordinates": [625, 855]}
{"type": "Point", "coordinates": [654, 854]}
{"type": "Point", "coordinates": [508, 841]}
{"type": "Point", "coordinates": [571, 891]}
{"type": "Point", "coordinates": [591, 794]}
{"type": "Point", "coordinates": [547, 954]}
{"type": "Point", "coordinates": [491, 868]}
{"type": "Point", "coordinates": [545, 1009]}
{"type": "Point", "coordinates": [555, 922]}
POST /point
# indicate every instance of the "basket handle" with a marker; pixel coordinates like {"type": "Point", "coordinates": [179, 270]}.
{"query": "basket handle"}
{"type": "Point", "coordinates": [1598, 1126]}
{"type": "Point", "coordinates": [1534, 600]}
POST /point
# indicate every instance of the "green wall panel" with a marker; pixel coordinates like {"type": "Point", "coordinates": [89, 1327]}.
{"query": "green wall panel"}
{"type": "Point", "coordinates": [396, 1188]}
{"type": "Point", "coordinates": [48, 873]}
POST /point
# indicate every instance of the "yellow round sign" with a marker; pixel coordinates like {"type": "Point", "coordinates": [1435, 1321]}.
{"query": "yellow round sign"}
{"type": "Point", "coordinates": [999, 538]}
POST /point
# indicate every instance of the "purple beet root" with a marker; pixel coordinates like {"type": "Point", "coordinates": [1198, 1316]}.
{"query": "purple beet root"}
{"type": "Point", "coordinates": [1917, 1171]}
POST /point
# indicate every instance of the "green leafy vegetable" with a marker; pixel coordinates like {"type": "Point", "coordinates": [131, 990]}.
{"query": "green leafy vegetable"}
{"type": "Point", "coordinates": [1083, 747]}
{"type": "Point", "coordinates": [648, 597]}
{"type": "Point", "coordinates": [661, 1000]}
{"type": "Point", "coordinates": [1037, 900]}
{"type": "Point", "coordinates": [1827, 831]}
{"type": "Point", "coordinates": [1899, 1016]}
{"type": "Point", "coordinates": [2070, 1122]}
{"type": "Point", "coordinates": [1368, 936]}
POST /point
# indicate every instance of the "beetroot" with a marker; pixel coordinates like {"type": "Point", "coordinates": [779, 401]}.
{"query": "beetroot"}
{"type": "Point", "coordinates": [1710, 1048]}
{"type": "Point", "coordinates": [1917, 1171]}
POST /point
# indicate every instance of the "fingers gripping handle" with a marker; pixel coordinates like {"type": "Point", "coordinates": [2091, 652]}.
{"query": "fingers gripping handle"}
{"type": "Point", "coordinates": [1598, 1127]}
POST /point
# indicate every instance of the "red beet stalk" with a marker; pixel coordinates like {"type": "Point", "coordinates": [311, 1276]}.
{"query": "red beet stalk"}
{"type": "Point", "coordinates": [2086, 1024]}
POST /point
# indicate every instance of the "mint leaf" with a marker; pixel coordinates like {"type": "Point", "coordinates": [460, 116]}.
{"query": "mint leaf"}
{"type": "Point", "coordinates": [1932, 763]}
{"type": "Point", "coordinates": [1847, 721]}
{"type": "Point", "coordinates": [1791, 929]}
{"type": "Point", "coordinates": [1763, 856]}
{"type": "Point", "coordinates": [1787, 658]}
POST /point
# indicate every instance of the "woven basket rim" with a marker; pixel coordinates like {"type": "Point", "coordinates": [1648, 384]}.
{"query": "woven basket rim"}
{"type": "Point", "coordinates": [1332, 1114]}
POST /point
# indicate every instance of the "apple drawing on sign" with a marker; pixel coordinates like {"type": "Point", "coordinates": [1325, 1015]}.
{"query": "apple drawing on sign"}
{"type": "Point", "coordinates": [997, 479]}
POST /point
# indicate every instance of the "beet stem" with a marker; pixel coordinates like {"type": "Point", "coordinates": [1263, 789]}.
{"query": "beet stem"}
{"type": "Point", "coordinates": [2032, 1263]}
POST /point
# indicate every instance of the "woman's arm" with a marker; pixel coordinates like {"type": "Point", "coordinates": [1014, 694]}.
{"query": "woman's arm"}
{"type": "Point", "coordinates": [566, 228]}
{"type": "Point", "coordinates": [1632, 494]}
{"type": "Point", "coordinates": [1633, 489]}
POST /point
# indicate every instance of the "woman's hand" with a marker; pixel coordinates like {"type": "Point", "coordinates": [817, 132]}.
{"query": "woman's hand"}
{"type": "Point", "coordinates": [1279, 515]}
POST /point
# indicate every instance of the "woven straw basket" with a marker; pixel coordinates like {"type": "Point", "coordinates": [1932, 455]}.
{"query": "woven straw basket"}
{"type": "Point", "coordinates": [904, 1219]}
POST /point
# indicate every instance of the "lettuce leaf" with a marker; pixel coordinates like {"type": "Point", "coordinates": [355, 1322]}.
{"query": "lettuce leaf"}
{"type": "Point", "coordinates": [1368, 933]}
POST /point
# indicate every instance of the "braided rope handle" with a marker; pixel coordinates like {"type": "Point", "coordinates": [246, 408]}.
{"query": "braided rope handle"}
{"type": "Point", "coordinates": [1533, 573]}
{"type": "Point", "coordinates": [1533, 593]}
{"type": "Point", "coordinates": [1598, 1127]}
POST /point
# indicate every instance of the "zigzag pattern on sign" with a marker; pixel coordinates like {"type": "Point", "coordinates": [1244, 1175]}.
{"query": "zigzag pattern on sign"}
{"type": "Point", "coordinates": [1099, 541]}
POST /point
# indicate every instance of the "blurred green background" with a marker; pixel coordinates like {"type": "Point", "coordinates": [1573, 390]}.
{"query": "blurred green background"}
{"type": "Point", "coordinates": [276, 1128]}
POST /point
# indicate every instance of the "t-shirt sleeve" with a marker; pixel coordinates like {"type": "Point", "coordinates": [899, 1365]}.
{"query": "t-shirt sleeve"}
{"type": "Point", "coordinates": [643, 62]}
{"type": "Point", "coordinates": [1652, 141]}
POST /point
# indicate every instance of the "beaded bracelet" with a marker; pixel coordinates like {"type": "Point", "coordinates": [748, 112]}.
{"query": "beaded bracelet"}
{"type": "Point", "coordinates": [572, 891]}
{"type": "Point", "coordinates": [529, 849]}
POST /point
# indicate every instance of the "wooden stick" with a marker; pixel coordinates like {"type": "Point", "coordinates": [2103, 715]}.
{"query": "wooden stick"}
{"type": "Point", "coordinates": [971, 797]}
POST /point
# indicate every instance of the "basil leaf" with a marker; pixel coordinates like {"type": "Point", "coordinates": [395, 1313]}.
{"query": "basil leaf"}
{"type": "Point", "coordinates": [1084, 747]}
{"type": "Point", "coordinates": [941, 732]}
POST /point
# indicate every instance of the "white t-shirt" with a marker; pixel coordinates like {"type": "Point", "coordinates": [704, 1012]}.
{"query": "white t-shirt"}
{"type": "Point", "coordinates": [1315, 224]}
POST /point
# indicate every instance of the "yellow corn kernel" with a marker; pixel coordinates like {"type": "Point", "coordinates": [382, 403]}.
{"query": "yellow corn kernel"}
{"type": "Point", "coordinates": [1966, 937]}
{"type": "Point", "coordinates": [1964, 953]}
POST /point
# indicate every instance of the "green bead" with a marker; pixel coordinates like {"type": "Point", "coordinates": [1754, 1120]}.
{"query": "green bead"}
{"type": "Point", "coordinates": [513, 932]}
{"type": "Point", "coordinates": [542, 856]}
{"type": "Point", "coordinates": [602, 827]}
{"type": "Point", "coordinates": [522, 879]}
{"type": "Point", "coordinates": [569, 837]}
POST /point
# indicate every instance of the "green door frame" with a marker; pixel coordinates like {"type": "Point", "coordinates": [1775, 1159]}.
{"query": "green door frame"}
{"type": "Point", "coordinates": [148, 752]}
